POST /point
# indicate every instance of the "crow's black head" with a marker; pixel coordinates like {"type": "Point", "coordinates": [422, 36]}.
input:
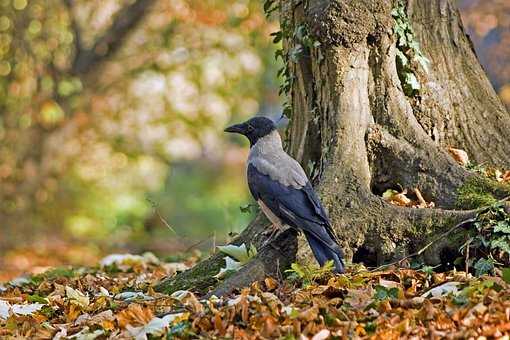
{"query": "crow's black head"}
{"type": "Point", "coordinates": [254, 128]}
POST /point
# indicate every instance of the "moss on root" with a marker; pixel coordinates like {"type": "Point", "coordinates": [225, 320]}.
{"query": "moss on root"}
{"type": "Point", "coordinates": [478, 192]}
{"type": "Point", "coordinates": [199, 278]}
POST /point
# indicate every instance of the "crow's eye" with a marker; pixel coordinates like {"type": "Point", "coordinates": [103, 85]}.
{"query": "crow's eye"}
{"type": "Point", "coordinates": [250, 128]}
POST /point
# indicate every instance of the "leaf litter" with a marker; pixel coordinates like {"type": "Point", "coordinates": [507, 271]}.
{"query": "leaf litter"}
{"type": "Point", "coordinates": [101, 303]}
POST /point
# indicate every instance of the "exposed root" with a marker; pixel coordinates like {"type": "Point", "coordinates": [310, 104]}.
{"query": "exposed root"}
{"type": "Point", "coordinates": [382, 232]}
{"type": "Point", "coordinates": [427, 246]}
{"type": "Point", "coordinates": [272, 257]}
{"type": "Point", "coordinates": [396, 161]}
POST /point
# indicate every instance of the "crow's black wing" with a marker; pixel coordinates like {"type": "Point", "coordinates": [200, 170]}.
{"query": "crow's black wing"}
{"type": "Point", "coordinates": [274, 194]}
{"type": "Point", "coordinates": [299, 208]}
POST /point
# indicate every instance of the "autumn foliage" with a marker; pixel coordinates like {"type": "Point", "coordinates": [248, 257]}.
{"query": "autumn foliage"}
{"type": "Point", "coordinates": [116, 300]}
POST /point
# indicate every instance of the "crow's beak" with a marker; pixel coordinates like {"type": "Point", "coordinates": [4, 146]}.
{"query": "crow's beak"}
{"type": "Point", "coordinates": [237, 128]}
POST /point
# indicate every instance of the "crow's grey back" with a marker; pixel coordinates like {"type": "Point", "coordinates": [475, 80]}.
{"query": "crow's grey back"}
{"type": "Point", "coordinates": [268, 157]}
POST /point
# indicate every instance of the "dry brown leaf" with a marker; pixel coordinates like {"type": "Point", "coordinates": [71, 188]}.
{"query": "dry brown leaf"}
{"type": "Point", "coordinates": [73, 312]}
{"type": "Point", "coordinates": [270, 327]}
{"type": "Point", "coordinates": [401, 199]}
{"type": "Point", "coordinates": [134, 315]}
{"type": "Point", "coordinates": [271, 283]}
{"type": "Point", "coordinates": [218, 324]}
{"type": "Point", "coordinates": [322, 335]}
{"type": "Point", "coordinates": [191, 300]}
{"type": "Point", "coordinates": [309, 314]}
{"type": "Point", "coordinates": [506, 176]}
{"type": "Point", "coordinates": [359, 298]}
{"type": "Point", "coordinates": [459, 155]}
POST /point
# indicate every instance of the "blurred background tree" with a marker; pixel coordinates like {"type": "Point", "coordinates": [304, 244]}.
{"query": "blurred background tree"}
{"type": "Point", "coordinates": [488, 25]}
{"type": "Point", "coordinates": [110, 108]}
{"type": "Point", "coordinates": [112, 111]}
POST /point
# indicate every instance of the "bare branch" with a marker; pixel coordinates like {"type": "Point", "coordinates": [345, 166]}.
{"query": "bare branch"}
{"type": "Point", "coordinates": [75, 27]}
{"type": "Point", "coordinates": [106, 45]}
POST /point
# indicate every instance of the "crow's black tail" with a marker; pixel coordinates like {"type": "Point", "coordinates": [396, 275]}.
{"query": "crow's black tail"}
{"type": "Point", "coordinates": [324, 253]}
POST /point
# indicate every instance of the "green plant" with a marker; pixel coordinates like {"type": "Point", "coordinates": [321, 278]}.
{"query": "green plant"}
{"type": "Point", "coordinates": [408, 51]}
{"type": "Point", "coordinates": [490, 237]}
{"type": "Point", "coordinates": [300, 41]}
{"type": "Point", "coordinates": [386, 293]}
{"type": "Point", "coordinates": [308, 274]}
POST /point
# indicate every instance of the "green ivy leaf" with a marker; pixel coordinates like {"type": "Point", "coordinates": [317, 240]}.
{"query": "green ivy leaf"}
{"type": "Point", "coordinates": [484, 266]}
{"type": "Point", "coordinates": [301, 32]}
{"type": "Point", "coordinates": [383, 293]}
{"type": "Point", "coordinates": [295, 52]}
{"type": "Point", "coordinates": [502, 243]}
{"type": "Point", "coordinates": [503, 227]}
{"type": "Point", "coordinates": [245, 209]}
{"type": "Point", "coordinates": [423, 61]}
{"type": "Point", "coordinates": [412, 81]}
{"type": "Point", "coordinates": [460, 300]}
{"type": "Point", "coordinates": [277, 36]}
{"type": "Point", "coordinates": [401, 58]}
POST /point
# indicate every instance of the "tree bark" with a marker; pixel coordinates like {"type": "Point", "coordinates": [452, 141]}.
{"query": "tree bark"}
{"type": "Point", "coordinates": [358, 133]}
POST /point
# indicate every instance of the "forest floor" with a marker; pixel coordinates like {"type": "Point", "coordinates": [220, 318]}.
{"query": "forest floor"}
{"type": "Point", "coordinates": [115, 299]}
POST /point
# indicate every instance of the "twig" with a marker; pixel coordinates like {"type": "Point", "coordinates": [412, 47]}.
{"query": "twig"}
{"type": "Point", "coordinates": [419, 252]}
{"type": "Point", "coordinates": [279, 270]}
{"type": "Point", "coordinates": [504, 199]}
{"type": "Point", "coordinates": [467, 255]}
{"type": "Point", "coordinates": [199, 242]}
{"type": "Point", "coordinates": [155, 209]}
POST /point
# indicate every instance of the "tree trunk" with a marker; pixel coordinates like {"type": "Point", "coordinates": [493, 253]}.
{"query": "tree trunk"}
{"type": "Point", "coordinates": [359, 129]}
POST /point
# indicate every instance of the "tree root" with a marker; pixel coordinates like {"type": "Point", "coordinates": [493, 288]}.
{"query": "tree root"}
{"type": "Point", "coordinates": [395, 161]}
{"type": "Point", "coordinates": [271, 259]}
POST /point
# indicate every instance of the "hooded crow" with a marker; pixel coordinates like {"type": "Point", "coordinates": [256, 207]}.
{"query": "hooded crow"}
{"type": "Point", "coordinates": [281, 188]}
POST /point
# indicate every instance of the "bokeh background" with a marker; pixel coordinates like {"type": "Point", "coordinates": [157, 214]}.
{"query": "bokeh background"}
{"type": "Point", "coordinates": [111, 120]}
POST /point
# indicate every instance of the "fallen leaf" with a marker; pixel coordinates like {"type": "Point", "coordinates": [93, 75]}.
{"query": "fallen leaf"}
{"type": "Point", "coordinates": [506, 176]}
{"type": "Point", "coordinates": [359, 298]}
{"type": "Point", "coordinates": [156, 326]}
{"type": "Point", "coordinates": [127, 261]}
{"type": "Point", "coordinates": [26, 309]}
{"type": "Point", "coordinates": [271, 283]}
{"type": "Point", "coordinates": [76, 297]}
{"type": "Point", "coordinates": [230, 265]}
{"type": "Point", "coordinates": [4, 309]}
{"type": "Point", "coordinates": [460, 156]}
{"type": "Point", "coordinates": [86, 334]}
{"type": "Point", "coordinates": [97, 319]}
{"type": "Point", "coordinates": [321, 335]}
{"type": "Point", "coordinates": [388, 284]}
{"type": "Point", "coordinates": [240, 253]}
{"type": "Point", "coordinates": [397, 198]}
{"type": "Point", "coordinates": [134, 315]}
{"type": "Point", "coordinates": [131, 296]}
{"type": "Point", "coordinates": [442, 290]}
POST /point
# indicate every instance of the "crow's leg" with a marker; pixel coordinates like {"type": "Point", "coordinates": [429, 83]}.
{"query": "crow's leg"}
{"type": "Point", "coordinates": [273, 231]}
